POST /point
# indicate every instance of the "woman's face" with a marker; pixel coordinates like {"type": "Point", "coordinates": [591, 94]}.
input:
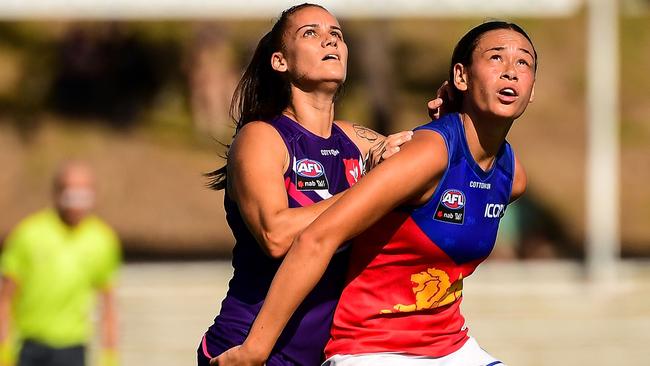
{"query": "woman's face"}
{"type": "Point", "coordinates": [314, 49]}
{"type": "Point", "coordinates": [501, 79]}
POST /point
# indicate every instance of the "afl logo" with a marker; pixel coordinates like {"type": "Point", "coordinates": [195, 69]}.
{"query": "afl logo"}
{"type": "Point", "coordinates": [453, 199]}
{"type": "Point", "coordinates": [309, 168]}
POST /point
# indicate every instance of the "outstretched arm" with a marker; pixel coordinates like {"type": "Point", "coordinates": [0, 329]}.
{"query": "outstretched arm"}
{"type": "Point", "coordinates": [416, 170]}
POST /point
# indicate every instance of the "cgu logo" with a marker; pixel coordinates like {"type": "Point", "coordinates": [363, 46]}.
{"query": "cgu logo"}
{"type": "Point", "coordinates": [453, 199]}
{"type": "Point", "coordinates": [494, 210]}
{"type": "Point", "coordinates": [309, 168]}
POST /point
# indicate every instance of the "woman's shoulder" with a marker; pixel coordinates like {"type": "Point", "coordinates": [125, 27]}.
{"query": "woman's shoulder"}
{"type": "Point", "coordinates": [257, 137]}
{"type": "Point", "coordinates": [445, 124]}
{"type": "Point", "coordinates": [256, 130]}
{"type": "Point", "coordinates": [363, 137]}
{"type": "Point", "coordinates": [356, 130]}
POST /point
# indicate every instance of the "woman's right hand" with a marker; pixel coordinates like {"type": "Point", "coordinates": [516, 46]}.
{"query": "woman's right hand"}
{"type": "Point", "coordinates": [236, 356]}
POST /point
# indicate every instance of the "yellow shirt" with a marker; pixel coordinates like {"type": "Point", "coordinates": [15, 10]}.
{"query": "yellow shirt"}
{"type": "Point", "coordinates": [58, 270]}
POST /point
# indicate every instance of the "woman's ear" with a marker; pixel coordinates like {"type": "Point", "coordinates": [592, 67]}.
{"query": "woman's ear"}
{"type": "Point", "coordinates": [532, 94]}
{"type": "Point", "coordinates": [278, 62]}
{"type": "Point", "coordinates": [460, 77]}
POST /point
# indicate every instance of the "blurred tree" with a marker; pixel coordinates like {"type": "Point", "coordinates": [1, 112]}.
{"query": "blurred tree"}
{"type": "Point", "coordinates": [378, 74]}
{"type": "Point", "coordinates": [106, 72]}
{"type": "Point", "coordinates": [212, 77]}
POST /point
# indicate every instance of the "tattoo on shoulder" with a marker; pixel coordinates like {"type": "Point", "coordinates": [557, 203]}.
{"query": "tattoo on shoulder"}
{"type": "Point", "coordinates": [365, 133]}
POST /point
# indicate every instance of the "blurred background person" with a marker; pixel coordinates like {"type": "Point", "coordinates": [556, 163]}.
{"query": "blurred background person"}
{"type": "Point", "coordinates": [53, 265]}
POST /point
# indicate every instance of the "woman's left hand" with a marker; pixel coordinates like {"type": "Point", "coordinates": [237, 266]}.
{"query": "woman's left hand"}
{"type": "Point", "coordinates": [443, 103]}
{"type": "Point", "coordinates": [236, 356]}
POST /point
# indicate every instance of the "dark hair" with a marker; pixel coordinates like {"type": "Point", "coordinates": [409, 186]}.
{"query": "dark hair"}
{"type": "Point", "coordinates": [466, 46]}
{"type": "Point", "coordinates": [262, 93]}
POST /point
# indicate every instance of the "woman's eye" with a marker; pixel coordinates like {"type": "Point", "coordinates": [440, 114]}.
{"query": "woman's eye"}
{"type": "Point", "coordinates": [495, 57]}
{"type": "Point", "coordinates": [309, 33]}
{"type": "Point", "coordinates": [337, 35]}
{"type": "Point", "coordinates": [524, 63]}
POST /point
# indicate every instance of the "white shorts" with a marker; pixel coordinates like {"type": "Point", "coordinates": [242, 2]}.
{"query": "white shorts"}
{"type": "Point", "coordinates": [470, 354]}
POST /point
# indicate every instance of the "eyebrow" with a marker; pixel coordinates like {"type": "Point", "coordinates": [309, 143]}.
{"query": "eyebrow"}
{"type": "Point", "coordinates": [501, 48]}
{"type": "Point", "coordinates": [336, 27]}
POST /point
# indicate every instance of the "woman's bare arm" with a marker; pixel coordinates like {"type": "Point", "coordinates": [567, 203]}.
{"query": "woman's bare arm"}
{"type": "Point", "coordinates": [410, 176]}
{"type": "Point", "coordinates": [257, 161]}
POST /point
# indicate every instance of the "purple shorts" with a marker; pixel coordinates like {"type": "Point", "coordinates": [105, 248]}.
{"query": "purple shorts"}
{"type": "Point", "coordinates": [212, 346]}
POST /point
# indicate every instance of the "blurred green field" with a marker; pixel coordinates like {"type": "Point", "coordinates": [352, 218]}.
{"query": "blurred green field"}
{"type": "Point", "coordinates": [154, 128]}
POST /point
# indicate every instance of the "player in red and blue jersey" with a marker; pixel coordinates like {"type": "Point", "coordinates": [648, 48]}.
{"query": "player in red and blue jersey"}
{"type": "Point", "coordinates": [406, 280]}
{"type": "Point", "coordinates": [430, 216]}
{"type": "Point", "coordinates": [287, 163]}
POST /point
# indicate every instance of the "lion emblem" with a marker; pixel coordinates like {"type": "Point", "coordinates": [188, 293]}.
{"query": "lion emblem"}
{"type": "Point", "coordinates": [432, 289]}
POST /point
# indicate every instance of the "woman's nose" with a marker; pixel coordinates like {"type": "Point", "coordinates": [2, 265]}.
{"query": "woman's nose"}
{"type": "Point", "coordinates": [509, 72]}
{"type": "Point", "coordinates": [330, 40]}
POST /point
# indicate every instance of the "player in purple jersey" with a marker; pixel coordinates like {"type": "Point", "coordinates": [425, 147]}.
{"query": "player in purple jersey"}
{"type": "Point", "coordinates": [288, 162]}
{"type": "Point", "coordinates": [492, 72]}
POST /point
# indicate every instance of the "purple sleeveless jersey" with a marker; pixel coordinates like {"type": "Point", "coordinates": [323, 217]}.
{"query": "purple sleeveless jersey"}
{"type": "Point", "coordinates": [320, 167]}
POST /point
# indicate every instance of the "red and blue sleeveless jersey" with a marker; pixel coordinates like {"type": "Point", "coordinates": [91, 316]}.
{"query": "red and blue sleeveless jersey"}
{"type": "Point", "coordinates": [320, 167]}
{"type": "Point", "coordinates": [405, 283]}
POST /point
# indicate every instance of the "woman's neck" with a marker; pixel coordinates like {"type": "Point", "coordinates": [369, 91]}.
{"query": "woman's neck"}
{"type": "Point", "coordinates": [313, 110]}
{"type": "Point", "coordinates": [485, 136]}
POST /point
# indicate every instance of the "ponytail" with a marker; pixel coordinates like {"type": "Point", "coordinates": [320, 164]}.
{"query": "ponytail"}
{"type": "Point", "coordinates": [262, 93]}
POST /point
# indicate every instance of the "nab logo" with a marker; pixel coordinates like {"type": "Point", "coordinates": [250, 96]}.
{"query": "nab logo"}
{"type": "Point", "coordinates": [451, 207]}
{"type": "Point", "coordinates": [309, 168]}
{"type": "Point", "coordinates": [453, 199]}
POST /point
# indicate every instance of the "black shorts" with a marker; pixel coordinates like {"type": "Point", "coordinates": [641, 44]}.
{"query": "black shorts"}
{"type": "Point", "coordinates": [34, 353]}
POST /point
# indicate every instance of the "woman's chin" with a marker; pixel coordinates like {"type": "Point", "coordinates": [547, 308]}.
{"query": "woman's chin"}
{"type": "Point", "coordinates": [334, 78]}
{"type": "Point", "coordinates": [509, 112]}
{"type": "Point", "coordinates": [326, 84]}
